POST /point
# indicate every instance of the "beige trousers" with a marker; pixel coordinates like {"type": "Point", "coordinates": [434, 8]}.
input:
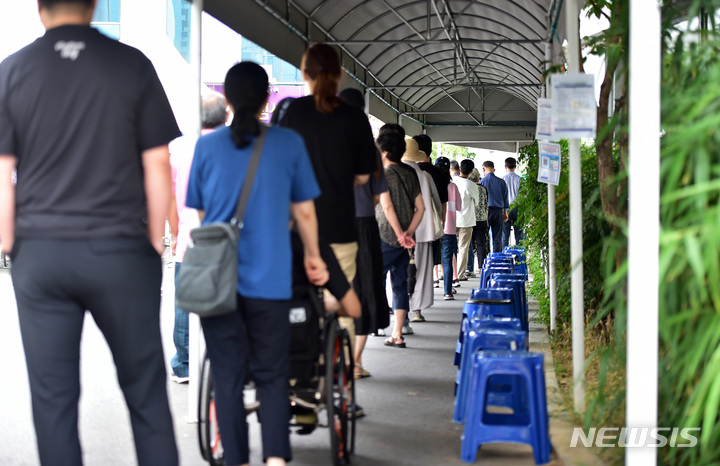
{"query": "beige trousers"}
{"type": "Point", "coordinates": [464, 235]}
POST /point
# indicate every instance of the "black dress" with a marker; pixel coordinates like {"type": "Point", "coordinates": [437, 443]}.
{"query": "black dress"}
{"type": "Point", "coordinates": [368, 283]}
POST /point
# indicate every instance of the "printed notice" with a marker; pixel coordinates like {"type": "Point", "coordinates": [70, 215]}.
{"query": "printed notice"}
{"type": "Point", "coordinates": [544, 120]}
{"type": "Point", "coordinates": [549, 171]}
{"type": "Point", "coordinates": [574, 112]}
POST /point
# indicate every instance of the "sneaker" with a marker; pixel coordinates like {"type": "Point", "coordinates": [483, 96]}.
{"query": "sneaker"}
{"type": "Point", "coordinates": [436, 284]}
{"type": "Point", "coordinates": [469, 274]}
{"type": "Point", "coordinates": [178, 379]}
{"type": "Point", "coordinates": [407, 330]}
{"type": "Point", "coordinates": [456, 283]}
{"type": "Point", "coordinates": [449, 297]}
{"type": "Point", "coordinates": [355, 411]}
{"type": "Point", "coordinates": [380, 333]}
{"type": "Point", "coordinates": [417, 317]}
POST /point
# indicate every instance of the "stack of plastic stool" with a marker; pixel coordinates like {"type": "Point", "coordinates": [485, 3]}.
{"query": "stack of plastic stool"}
{"type": "Point", "coordinates": [528, 423]}
{"type": "Point", "coordinates": [487, 271]}
{"type": "Point", "coordinates": [480, 337]}
{"type": "Point", "coordinates": [496, 301]}
{"type": "Point", "coordinates": [520, 296]}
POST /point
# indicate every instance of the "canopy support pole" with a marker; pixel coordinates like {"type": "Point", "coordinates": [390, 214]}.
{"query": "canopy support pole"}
{"type": "Point", "coordinates": [643, 225]}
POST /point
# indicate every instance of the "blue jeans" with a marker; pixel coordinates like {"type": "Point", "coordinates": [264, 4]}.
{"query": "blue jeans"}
{"type": "Point", "coordinates": [471, 257]}
{"type": "Point", "coordinates": [512, 223]}
{"type": "Point", "coordinates": [395, 261]}
{"type": "Point", "coordinates": [449, 248]}
{"type": "Point", "coordinates": [181, 337]}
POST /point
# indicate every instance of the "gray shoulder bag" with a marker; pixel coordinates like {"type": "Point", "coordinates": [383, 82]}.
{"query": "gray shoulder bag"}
{"type": "Point", "coordinates": [207, 283]}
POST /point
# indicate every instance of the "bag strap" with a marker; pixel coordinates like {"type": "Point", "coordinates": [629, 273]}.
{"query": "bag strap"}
{"type": "Point", "coordinates": [237, 220]}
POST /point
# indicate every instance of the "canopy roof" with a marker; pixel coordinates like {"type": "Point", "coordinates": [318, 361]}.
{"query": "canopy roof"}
{"type": "Point", "coordinates": [467, 72]}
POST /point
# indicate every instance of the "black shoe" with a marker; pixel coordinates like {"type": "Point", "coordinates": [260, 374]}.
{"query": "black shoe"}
{"type": "Point", "coordinates": [355, 411]}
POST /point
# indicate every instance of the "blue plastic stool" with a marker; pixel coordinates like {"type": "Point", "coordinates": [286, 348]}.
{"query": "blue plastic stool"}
{"type": "Point", "coordinates": [520, 298]}
{"type": "Point", "coordinates": [528, 424]}
{"type": "Point", "coordinates": [520, 252]}
{"type": "Point", "coordinates": [479, 338]}
{"type": "Point", "coordinates": [488, 271]}
{"type": "Point", "coordinates": [497, 301]}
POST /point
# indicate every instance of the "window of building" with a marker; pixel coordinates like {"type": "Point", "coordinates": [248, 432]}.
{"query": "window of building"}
{"type": "Point", "coordinates": [178, 26]}
{"type": "Point", "coordinates": [279, 70]}
{"type": "Point", "coordinates": [107, 18]}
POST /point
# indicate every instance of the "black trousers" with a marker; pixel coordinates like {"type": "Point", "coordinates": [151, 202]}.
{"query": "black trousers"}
{"type": "Point", "coordinates": [118, 282]}
{"type": "Point", "coordinates": [478, 237]}
{"type": "Point", "coordinates": [255, 338]}
{"type": "Point", "coordinates": [495, 221]}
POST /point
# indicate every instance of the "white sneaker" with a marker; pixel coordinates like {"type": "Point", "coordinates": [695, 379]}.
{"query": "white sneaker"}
{"type": "Point", "coordinates": [178, 379]}
{"type": "Point", "coordinates": [380, 333]}
{"type": "Point", "coordinates": [407, 330]}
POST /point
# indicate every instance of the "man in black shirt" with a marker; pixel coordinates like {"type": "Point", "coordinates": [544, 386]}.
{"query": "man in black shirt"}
{"type": "Point", "coordinates": [86, 123]}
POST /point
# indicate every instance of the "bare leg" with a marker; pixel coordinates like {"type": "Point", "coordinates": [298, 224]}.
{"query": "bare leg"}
{"type": "Point", "coordinates": [359, 347]}
{"type": "Point", "coordinates": [400, 315]}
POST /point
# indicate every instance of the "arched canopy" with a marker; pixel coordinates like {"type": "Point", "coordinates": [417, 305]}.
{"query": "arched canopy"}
{"type": "Point", "coordinates": [469, 72]}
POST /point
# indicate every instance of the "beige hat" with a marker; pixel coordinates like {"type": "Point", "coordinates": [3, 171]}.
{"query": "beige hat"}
{"type": "Point", "coordinates": [413, 152]}
{"type": "Point", "coordinates": [474, 175]}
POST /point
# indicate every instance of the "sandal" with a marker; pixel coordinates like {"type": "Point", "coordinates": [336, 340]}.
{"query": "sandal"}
{"type": "Point", "coordinates": [395, 342]}
{"type": "Point", "coordinates": [360, 372]}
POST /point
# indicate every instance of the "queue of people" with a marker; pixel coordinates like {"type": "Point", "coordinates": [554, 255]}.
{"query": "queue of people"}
{"type": "Point", "coordinates": [96, 183]}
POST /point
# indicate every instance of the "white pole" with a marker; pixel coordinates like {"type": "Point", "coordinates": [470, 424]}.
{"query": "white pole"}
{"type": "Point", "coordinates": [552, 279]}
{"type": "Point", "coordinates": [196, 344]}
{"type": "Point", "coordinates": [643, 225]}
{"type": "Point", "coordinates": [576, 247]}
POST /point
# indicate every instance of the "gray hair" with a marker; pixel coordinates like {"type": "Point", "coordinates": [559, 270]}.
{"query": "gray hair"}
{"type": "Point", "coordinates": [213, 110]}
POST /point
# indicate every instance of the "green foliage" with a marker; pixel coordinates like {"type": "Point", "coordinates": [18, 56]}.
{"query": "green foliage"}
{"type": "Point", "coordinates": [689, 388]}
{"type": "Point", "coordinates": [452, 152]}
{"type": "Point", "coordinates": [533, 214]}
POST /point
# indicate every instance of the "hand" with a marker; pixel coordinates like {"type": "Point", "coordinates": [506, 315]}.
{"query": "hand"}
{"type": "Point", "coordinates": [408, 241]}
{"type": "Point", "coordinates": [316, 270]}
{"type": "Point", "coordinates": [173, 244]}
{"type": "Point", "coordinates": [505, 216]}
{"type": "Point", "coordinates": [6, 244]}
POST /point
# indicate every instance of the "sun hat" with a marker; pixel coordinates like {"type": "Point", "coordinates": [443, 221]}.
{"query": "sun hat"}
{"type": "Point", "coordinates": [413, 152]}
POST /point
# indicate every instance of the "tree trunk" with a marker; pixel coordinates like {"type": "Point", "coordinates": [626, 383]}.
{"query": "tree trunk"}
{"type": "Point", "coordinates": [604, 153]}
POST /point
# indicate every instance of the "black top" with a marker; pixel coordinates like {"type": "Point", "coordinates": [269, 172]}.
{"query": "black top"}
{"type": "Point", "coordinates": [341, 146]}
{"type": "Point", "coordinates": [441, 181]}
{"type": "Point", "coordinates": [77, 109]}
{"type": "Point", "coordinates": [337, 285]}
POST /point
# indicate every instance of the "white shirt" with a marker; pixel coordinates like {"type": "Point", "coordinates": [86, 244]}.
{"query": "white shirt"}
{"type": "Point", "coordinates": [470, 197]}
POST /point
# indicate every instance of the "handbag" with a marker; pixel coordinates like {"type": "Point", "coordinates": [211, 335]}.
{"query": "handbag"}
{"type": "Point", "coordinates": [438, 231]}
{"type": "Point", "coordinates": [207, 282]}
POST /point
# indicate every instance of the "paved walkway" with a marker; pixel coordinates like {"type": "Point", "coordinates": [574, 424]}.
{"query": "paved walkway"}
{"type": "Point", "coordinates": [408, 400]}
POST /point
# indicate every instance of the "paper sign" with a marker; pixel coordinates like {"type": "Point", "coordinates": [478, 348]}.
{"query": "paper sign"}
{"type": "Point", "coordinates": [574, 112]}
{"type": "Point", "coordinates": [549, 171]}
{"type": "Point", "coordinates": [544, 120]}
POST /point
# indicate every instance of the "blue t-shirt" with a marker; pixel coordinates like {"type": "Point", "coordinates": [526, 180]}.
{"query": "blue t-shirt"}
{"type": "Point", "coordinates": [284, 175]}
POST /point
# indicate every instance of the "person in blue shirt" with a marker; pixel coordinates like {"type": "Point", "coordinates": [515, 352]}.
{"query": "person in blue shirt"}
{"type": "Point", "coordinates": [498, 204]}
{"type": "Point", "coordinates": [256, 337]}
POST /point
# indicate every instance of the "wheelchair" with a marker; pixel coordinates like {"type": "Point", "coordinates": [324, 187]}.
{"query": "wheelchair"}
{"type": "Point", "coordinates": [321, 382]}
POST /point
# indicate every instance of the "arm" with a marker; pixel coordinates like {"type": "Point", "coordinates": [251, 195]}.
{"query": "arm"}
{"type": "Point", "coordinates": [506, 203]}
{"type": "Point", "coordinates": [173, 220]}
{"type": "Point", "coordinates": [304, 215]}
{"type": "Point", "coordinates": [361, 180]}
{"type": "Point", "coordinates": [348, 306]}
{"type": "Point", "coordinates": [389, 210]}
{"type": "Point", "coordinates": [419, 212]}
{"type": "Point", "coordinates": [7, 203]}
{"type": "Point", "coordinates": [156, 164]}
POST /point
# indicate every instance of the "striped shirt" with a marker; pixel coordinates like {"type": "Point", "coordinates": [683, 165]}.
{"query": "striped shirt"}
{"type": "Point", "coordinates": [513, 184]}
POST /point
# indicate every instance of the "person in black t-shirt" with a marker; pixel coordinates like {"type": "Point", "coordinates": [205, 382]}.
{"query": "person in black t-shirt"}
{"type": "Point", "coordinates": [86, 122]}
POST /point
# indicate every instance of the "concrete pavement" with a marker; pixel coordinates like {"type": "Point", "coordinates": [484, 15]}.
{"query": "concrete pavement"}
{"type": "Point", "coordinates": [408, 399]}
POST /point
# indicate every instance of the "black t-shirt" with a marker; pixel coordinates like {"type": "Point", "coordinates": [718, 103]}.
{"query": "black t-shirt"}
{"type": "Point", "coordinates": [77, 109]}
{"type": "Point", "coordinates": [341, 146]}
{"type": "Point", "coordinates": [441, 181]}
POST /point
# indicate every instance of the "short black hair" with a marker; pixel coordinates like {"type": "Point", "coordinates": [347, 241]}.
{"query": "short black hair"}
{"type": "Point", "coordinates": [393, 127]}
{"type": "Point", "coordinates": [454, 165]}
{"type": "Point", "coordinates": [488, 164]}
{"type": "Point", "coordinates": [424, 143]}
{"type": "Point", "coordinates": [466, 166]}
{"type": "Point", "coordinates": [213, 110]}
{"type": "Point", "coordinates": [393, 143]}
{"type": "Point", "coordinates": [511, 163]}
{"type": "Point", "coordinates": [353, 97]}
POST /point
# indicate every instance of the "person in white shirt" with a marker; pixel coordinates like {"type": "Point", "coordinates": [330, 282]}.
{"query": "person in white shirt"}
{"type": "Point", "coordinates": [465, 220]}
{"type": "Point", "coordinates": [513, 184]}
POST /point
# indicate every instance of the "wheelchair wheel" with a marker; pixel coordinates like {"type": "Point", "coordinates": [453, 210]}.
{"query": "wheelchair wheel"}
{"type": "Point", "coordinates": [208, 432]}
{"type": "Point", "coordinates": [340, 393]}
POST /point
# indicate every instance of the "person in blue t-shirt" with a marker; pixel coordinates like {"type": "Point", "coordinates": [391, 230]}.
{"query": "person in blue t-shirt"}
{"type": "Point", "coordinates": [257, 336]}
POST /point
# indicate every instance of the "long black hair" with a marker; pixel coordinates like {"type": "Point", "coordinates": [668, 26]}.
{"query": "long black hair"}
{"type": "Point", "coordinates": [246, 89]}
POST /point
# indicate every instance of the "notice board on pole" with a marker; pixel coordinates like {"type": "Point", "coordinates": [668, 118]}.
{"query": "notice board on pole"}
{"type": "Point", "coordinates": [574, 111]}
{"type": "Point", "coordinates": [543, 131]}
{"type": "Point", "coordinates": [550, 160]}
